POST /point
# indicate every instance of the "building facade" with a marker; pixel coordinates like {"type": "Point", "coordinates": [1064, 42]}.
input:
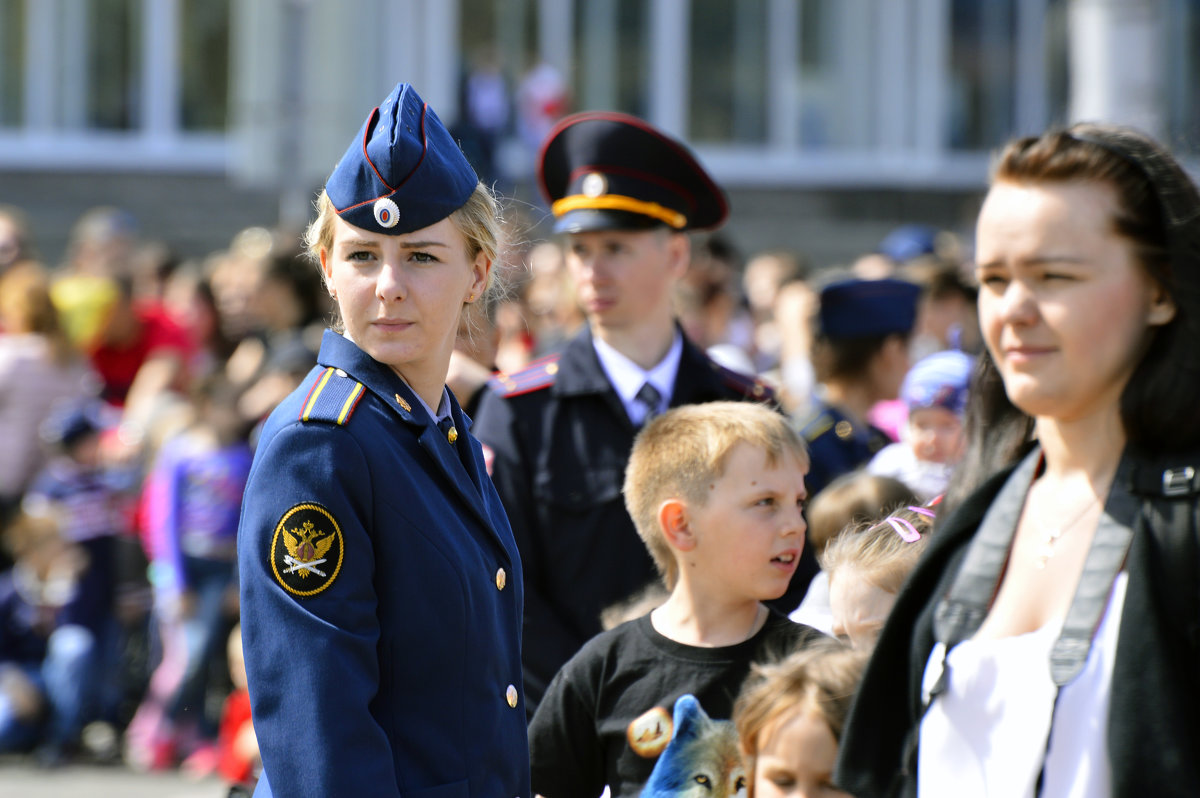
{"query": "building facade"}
{"type": "Point", "coordinates": [828, 120]}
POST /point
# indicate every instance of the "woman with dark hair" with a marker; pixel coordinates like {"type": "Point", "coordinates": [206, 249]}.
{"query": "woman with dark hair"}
{"type": "Point", "coordinates": [1046, 644]}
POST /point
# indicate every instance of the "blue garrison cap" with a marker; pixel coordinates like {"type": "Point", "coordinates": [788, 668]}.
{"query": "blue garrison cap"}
{"type": "Point", "coordinates": [939, 380]}
{"type": "Point", "coordinates": [868, 308]}
{"type": "Point", "coordinates": [403, 171]}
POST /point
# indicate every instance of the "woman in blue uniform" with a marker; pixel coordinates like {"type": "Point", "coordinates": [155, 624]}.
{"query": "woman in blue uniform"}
{"type": "Point", "coordinates": [381, 588]}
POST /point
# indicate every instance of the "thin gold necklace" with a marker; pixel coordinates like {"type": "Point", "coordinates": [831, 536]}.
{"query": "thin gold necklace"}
{"type": "Point", "coordinates": [1050, 536]}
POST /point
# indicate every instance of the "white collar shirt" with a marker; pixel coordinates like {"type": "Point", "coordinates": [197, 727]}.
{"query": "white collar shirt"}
{"type": "Point", "coordinates": [627, 377]}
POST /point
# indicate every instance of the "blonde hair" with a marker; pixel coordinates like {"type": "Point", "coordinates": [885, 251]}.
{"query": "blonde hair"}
{"type": "Point", "coordinates": [879, 551]}
{"type": "Point", "coordinates": [680, 453]}
{"type": "Point", "coordinates": [26, 307]}
{"type": "Point", "coordinates": [479, 220]}
{"type": "Point", "coordinates": [851, 499]}
{"type": "Point", "coordinates": [821, 677]}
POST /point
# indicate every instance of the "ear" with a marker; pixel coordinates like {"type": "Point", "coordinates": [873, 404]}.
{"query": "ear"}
{"type": "Point", "coordinates": [689, 718]}
{"type": "Point", "coordinates": [896, 346]}
{"type": "Point", "coordinates": [480, 270]}
{"type": "Point", "coordinates": [673, 521]}
{"type": "Point", "coordinates": [326, 267]}
{"type": "Point", "coordinates": [679, 252]}
{"type": "Point", "coordinates": [1162, 307]}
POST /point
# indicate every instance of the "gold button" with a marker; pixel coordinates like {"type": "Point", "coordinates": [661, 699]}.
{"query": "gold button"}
{"type": "Point", "coordinates": [452, 435]}
{"type": "Point", "coordinates": [501, 579]}
{"type": "Point", "coordinates": [843, 429]}
{"type": "Point", "coordinates": [511, 695]}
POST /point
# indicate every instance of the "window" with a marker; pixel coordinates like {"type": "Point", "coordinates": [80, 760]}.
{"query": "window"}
{"type": "Point", "coordinates": [12, 72]}
{"type": "Point", "coordinates": [204, 64]}
{"type": "Point", "coordinates": [108, 71]}
{"type": "Point", "coordinates": [982, 74]}
{"type": "Point", "coordinates": [729, 85]}
{"type": "Point", "coordinates": [1183, 76]}
{"type": "Point", "coordinates": [611, 43]}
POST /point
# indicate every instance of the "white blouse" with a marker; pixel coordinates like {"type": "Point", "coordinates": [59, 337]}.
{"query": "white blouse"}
{"type": "Point", "coordinates": [986, 734]}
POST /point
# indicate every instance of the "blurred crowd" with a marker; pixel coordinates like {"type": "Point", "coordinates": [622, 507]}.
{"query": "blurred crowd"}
{"type": "Point", "coordinates": [133, 385]}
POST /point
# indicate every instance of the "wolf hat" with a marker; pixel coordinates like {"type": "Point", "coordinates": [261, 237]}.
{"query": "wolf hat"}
{"type": "Point", "coordinates": [403, 171]}
{"type": "Point", "coordinates": [610, 171]}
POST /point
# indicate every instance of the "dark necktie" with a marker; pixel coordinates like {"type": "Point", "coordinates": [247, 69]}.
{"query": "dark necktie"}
{"type": "Point", "coordinates": [651, 399]}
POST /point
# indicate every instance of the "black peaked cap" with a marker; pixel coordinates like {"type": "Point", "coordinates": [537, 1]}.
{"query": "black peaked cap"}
{"type": "Point", "coordinates": [603, 170]}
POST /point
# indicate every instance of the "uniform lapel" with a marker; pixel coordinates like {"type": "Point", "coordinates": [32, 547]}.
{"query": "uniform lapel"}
{"type": "Point", "coordinates": [396, 394]}
{"type": "Point", "coordinates": [449, 460]}
{"type": "Point", "coordinates": [580, 373]}
{"type": "Point", "coordinates": [697, 379]}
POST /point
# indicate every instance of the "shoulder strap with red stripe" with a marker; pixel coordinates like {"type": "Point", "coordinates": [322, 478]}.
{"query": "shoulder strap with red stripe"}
{"type": "Point", "coordinates": [537, 375]}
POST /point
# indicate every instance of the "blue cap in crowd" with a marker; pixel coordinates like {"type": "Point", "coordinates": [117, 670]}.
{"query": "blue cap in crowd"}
{"type": "Point", "coordinates": [939, 380]}
{"type": "Point", "coordinates": [610, 171]}
{"type": "Point", "coordinates": [403, 171]}
{"type": "Point", "coordinates": [70, 423]}
{"type": "Point", "coordinates": [909, 241]}
{"type": "Point", "coordinates": [868, 308]}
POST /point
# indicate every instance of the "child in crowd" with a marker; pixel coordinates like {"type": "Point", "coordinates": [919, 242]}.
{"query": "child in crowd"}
{"type": "Point", "coordinates": [194, 495]}
{"type": "Point", "coordinates": [238, 758]}
{"type": "Point", "coordinates": [716, 491]}
{"type": "Point", "coordinates": [867, 567]}
{"type": "Point", "coordinates": [45, 660]}
{"type": "Point", "coordinates": [789, 718]}
{"type": "Point", "coordinates": [91, 496]}
{"type": "Point", "coordinates": [847, 502]}
{"type": "Point", "coordinates": [932, 440]}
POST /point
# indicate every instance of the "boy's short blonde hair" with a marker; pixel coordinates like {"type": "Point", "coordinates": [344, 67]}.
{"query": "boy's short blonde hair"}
{"type": "Point", "coordinates": [822, 677]}
{"type": "Point", "coordinates": [679, 454]}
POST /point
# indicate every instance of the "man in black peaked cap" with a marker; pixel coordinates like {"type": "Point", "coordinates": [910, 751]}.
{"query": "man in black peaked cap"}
{"type": "Point", "coordinates": [560, 431]}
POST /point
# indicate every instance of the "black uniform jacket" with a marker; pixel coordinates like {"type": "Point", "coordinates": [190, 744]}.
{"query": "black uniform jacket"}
{"type": "Point", "coordinates": [1154, 714]}
{"type": "Point", "coordinates": [560, 438]}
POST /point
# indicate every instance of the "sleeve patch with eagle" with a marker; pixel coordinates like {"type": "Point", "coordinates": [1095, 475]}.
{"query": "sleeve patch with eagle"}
{"type": "Point", "coordinates": [306, 550]}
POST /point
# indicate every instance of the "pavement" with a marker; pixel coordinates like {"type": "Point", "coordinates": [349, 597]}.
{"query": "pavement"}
{"type": "Point", "coordinates": [20, 777]}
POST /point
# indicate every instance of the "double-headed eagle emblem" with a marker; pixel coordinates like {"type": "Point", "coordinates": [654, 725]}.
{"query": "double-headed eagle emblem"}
{"type": "Point", "coordinates": [305, 550]}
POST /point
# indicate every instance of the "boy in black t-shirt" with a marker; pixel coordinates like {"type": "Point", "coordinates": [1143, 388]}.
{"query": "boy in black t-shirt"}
{"type": "Point", "coordinates": [716, 491]}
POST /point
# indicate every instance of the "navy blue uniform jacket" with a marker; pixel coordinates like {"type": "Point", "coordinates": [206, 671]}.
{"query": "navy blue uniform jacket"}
{"type": "Point", "coordinates": [381, 597]}
{"type": "Point", "coordinates": [837, 446]}
{"type": "Point", "coordinates": [561, 437]}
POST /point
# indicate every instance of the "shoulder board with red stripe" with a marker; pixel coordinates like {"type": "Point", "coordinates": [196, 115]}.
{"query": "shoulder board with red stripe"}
{"type": "Point", "coordinates": [537, 375]}
{"type": "Point", "coordinates": [747, 385]}
{"type": "Point", "coordinates": [332, 398]}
